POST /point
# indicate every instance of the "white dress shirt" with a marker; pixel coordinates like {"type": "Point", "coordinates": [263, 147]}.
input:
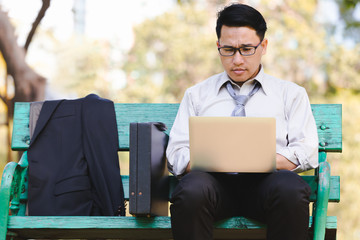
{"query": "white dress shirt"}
{"type": "Point", "coordinates": [288, 103]}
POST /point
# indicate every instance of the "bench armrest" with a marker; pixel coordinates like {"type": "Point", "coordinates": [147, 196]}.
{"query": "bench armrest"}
{"type": "Point", "coordinates": [5, 192]}
{"type": "Point", "coordinates": [13, 192]}
{"type": "Point", "coordinates": [321, 203]}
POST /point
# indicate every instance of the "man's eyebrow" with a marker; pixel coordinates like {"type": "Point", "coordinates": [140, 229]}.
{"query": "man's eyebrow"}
{"type": "Point", "coordinates": [227, 46]}
{"type": "Point", "coordinates": [242, 45]}
{"type": "Point", "coordinates": [247, 45]}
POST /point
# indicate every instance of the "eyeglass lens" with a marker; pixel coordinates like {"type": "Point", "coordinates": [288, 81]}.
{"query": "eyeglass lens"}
{"type": "Point", "coordinates": [230, 51]}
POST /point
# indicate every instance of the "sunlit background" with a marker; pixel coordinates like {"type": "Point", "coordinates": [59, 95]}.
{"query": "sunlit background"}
{"type": "Point", "coordinates": [151, 51]}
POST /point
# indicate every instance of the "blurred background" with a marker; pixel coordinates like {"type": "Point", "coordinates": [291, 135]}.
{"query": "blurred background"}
{"type": "Point", "coordinates": [151, 51]}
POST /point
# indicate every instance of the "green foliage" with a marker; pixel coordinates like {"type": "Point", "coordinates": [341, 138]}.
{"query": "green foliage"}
{"type": "Point", "coordinates": [297, 45]}
{"type": "Point", "coordinates": [343, 68]}
{"type": "Point", "coordinates": [177, 49]}
{"type": "Point", "coordinates": [173, 51]}
{"type": "Point", "coordinates": [346, 9]}
{"type": "Point", "coordinates": [302, 50]}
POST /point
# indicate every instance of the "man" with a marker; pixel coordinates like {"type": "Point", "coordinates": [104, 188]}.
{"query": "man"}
{"type": "Point", "coordinates": [279, 199]}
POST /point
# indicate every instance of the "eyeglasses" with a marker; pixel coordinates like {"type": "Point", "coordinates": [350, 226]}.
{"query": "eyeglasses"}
{"type": "Point", "coordinates": [228, 51]}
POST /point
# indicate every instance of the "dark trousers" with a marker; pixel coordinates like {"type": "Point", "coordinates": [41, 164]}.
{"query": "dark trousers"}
{"type": "Point", "coordinates": [279, 199]}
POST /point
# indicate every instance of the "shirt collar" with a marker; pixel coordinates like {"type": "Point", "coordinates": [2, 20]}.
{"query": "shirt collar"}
{"type": "Point", "coordinates": [224, 78]}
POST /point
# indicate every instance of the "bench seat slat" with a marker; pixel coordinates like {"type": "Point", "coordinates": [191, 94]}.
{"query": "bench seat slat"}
{"type": "Point", "coordinates": [334, 195]}
{"type": "Point", "coordinates": [120, 227]}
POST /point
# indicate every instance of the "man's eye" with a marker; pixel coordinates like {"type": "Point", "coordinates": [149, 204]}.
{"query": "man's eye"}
{"type": "Point", "coordinates": [246, 49]}
{"type": "Point", "coordinates": [228, 50]}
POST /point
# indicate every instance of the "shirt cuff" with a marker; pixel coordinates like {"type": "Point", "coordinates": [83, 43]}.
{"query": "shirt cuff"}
{"type": "Point", "coordinates": [180, 164]}
{"type": "Point", "coordinates": [290, 155]}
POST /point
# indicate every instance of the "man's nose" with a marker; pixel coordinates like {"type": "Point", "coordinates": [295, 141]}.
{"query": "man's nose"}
{"type": "Point", "coordinates": [238, 58]}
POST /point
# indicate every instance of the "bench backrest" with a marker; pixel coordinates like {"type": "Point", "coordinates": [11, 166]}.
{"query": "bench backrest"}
{"type": "Point", "coordinates": [327, 116]}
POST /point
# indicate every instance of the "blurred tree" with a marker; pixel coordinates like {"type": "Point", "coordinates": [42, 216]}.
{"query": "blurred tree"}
{"type": "Point", "coordinates": [297, 44]}
{"type": "Point", "coordinates": [177, 49]}
{"type": "Point", "coordinates": [347, 11]}
{"type": "Point", "coordinates": [173, 51]}
{"type": "Point", "coordinates": [28, 85]}
{"type": "Point", "coordinates": [82, 67]}
{"type": "Point", "coordinates": [343, 68]}
{"type": "Point", "coordinates": [301, 50]}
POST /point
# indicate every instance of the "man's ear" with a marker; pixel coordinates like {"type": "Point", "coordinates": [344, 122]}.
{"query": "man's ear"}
{"type": "Point", "coordinates": [217, 44]}
{"type": "Point", "coordinates": [264, 45]}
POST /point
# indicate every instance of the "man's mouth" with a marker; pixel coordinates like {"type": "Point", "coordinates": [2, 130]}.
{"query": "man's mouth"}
{"type": "Point", "coordinates": [238, 70]}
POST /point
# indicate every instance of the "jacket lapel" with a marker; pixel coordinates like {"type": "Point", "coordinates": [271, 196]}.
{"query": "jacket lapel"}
{"type": "Point", "coordinates": [46, 112]}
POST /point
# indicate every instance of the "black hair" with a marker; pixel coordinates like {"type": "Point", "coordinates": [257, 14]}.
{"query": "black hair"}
{"type": "Point", "coordinates": [241, 15]}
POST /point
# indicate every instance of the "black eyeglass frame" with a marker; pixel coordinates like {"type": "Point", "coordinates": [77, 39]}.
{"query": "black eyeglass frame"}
{"type": "Point", "coordinates": [239, 50]}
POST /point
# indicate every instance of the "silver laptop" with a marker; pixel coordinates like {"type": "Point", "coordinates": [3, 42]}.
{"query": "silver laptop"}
{"type": "Point", "coordinates": [233, 144]}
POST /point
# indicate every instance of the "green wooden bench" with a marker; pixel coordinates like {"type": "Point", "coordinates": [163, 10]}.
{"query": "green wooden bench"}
{"type": "Point", "coordinates": [13, 193]}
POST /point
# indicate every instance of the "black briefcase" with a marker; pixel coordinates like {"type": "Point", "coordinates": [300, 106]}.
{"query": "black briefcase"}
{"type": "Point", "coordinates": [149, 178]}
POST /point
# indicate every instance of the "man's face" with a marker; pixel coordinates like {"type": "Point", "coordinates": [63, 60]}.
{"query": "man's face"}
{"type": "Point", "coordinates": [241, 68]}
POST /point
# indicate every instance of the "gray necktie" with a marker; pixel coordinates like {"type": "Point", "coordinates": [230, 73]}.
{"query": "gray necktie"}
{"type": "Point", "coordinates": [241, 100]}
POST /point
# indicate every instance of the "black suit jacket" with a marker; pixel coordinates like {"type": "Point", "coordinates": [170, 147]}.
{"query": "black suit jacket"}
{"type": "Point", "coordinates": [73, 161]}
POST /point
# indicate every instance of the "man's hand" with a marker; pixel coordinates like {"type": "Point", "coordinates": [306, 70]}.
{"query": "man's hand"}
{"type": "Point", "coordinates": [187, 170]}
{"type": "Point", "coordinates": [283, 163]}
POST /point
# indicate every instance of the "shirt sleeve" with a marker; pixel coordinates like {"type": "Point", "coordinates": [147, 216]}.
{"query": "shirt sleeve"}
{"type": "Point", "coordinates": [177, 152]}
{"type": "Point", "coordinates": [302, 148]}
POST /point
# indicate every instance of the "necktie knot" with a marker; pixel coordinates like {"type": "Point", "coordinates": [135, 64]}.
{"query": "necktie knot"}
{"type": "Point", "coordinates": [241, 100]}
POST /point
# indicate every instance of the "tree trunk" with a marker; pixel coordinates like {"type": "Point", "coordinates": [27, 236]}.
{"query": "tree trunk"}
{"type": "Point", "coordinates": [29, 85]}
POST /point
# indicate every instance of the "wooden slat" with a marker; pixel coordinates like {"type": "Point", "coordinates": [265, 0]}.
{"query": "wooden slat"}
{"type": "Point", "coordinates": [125, 181]}
{"type": "Point", "coordinates": [328, 119]}
{"type": "Point", "coordinates": [123, 227]}
{"type": "Point", "coordinates": [334, 195]}
{"type": "Point", "coordinates": [127, 113]}
{"type": "Point", "coordinates": [21, 135]}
